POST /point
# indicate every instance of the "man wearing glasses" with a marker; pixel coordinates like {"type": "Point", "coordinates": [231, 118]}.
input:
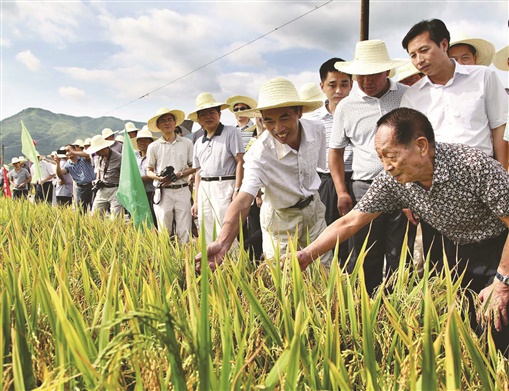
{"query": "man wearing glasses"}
{"type": "Point", "coordinates": [218, 160]}
{"type": "Point", "coordinates": [237, 105]}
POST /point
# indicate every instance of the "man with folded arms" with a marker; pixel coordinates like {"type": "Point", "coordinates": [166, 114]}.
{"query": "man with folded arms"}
{"type": "Point", "coordinates": [283, 161]}
{"type": "Point", "coordinates": [218, 160]}
{"type": "Point", "coordinates": [171, 194]}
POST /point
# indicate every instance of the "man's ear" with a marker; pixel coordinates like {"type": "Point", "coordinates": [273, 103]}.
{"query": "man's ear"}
{"type": "Point", "coordinates": [422, 145]}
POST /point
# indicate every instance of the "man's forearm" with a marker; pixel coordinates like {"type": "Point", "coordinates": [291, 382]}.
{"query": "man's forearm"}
{"type": "Point", "coordinates": [500, 146]}
{"type": "Point", "coordinates": [337, 169]}
{"type": "Point", "coordinates": [237, 212]}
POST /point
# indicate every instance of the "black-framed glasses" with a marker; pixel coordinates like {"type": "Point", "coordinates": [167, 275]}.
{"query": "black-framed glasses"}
{"type": "Point", "coordinates": [240, 108]}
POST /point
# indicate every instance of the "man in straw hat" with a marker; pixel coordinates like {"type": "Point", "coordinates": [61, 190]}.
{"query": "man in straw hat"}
{"type": "Point", "coordinates": [172, 198]}
{"type": "Point", "coordinates": [465, 104]}
{"type": "Point", "coordinates": [109, 135]}
{"type": "Point", "coordinates": [108, 176]}
{"type": "Point", "coordinates": [237, 104]}
{"type": "Point", "coordinates": [19, 178]}
{"type": "Point", "coordinates": [471, 51]}
{"type": "Point", "coordinates": [447, 184]}
{"type": "Point", "coordinates": [283, 161]}
{"type": "Point", "coordinates": [218, 160]}
{"type": "Point", "coordinates": [131, 130]}
{"type": "Point", "coordinates": [355, 123]}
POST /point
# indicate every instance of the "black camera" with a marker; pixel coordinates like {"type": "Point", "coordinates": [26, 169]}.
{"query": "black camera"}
{"type": "Point", "coordinates": [169, 172]}
{"type": "Point", "coordinates": [98, 185]}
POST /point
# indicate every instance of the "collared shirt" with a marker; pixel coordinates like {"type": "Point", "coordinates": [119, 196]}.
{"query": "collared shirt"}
{"type": "Point", "coordinates": [322, 114]}
{"type": "Point", "coordinates": [82, 171]}
{"type": "Point", "coordinates": [63, 187]}
{"type": "Point", "coordinates": [246, 136]}
{"type": "Point", "coordinates": [112, 165]}
{"type": "Point", "coordinates": [355, 122]}
{"type": "Point", "coordinates": [178, 154]}
{"type": "Point", "coordinates": [286, 174]}
{"type": "Point", "coordinates": [47, 169]}
{"type": "Point", "coordinates": [142, 166]}
{"type": "Point", "coordinates": [465, 109]}
{"type": "Point", "coordinates": [216, 156]}
{"type": "Point", "coordinates": [18, 177]}
{"type": "Point", "coordinates": [469, 194]}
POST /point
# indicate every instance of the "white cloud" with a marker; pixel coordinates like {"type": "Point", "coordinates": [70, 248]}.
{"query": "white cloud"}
{"type": "Point", "coordinates": [29, 60]}
{"type": "Point", "coordinates": [72, 93]}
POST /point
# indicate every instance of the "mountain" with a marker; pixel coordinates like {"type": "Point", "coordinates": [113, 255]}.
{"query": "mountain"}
{"type": "Point", "coordinates": [51, 131]}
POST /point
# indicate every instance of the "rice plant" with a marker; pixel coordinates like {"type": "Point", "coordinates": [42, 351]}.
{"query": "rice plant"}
{"type": "Point", "coordinates": [96, 304]}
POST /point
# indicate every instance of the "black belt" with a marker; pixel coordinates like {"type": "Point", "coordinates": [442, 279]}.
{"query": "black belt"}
{"type": "Point", "coordinates": [324, 174]}
{"type": "Point", "coordinates": [109, 185]}
{"type": "Point", "coordinates": [303, 203]}
{"type": "Point", "coordinates": [84, 184]}
{"type": "Point", "coordinates": [176, 186]}
{"type": "Point", "coordinates": [363, 181]}
{"type": "Point", "coordinates": [218, 178]}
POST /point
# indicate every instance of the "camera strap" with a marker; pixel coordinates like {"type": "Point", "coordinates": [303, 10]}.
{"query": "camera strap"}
{"type": "Point", "coordinates": [106, 164]}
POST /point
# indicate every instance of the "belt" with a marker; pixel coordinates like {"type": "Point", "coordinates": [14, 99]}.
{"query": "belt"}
{"type": "Point", "coordinates": [109, 185]}
{"type": "Point", "coordinates": [363, 181]}
{"type": "Point", "coordinates": [84, 184]}
{"type": "Point", "coordinates": [303, 203]}
{"type": "Point", "coordinates": [176, 186]}
{"type": "Point", "coordinates": [218, 178]}
{"type": "Point", "coordinates": [324, 174]}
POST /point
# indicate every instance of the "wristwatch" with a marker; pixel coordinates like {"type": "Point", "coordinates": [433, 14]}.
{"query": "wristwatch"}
{"type": "Point", "coordinates": [504, 279]}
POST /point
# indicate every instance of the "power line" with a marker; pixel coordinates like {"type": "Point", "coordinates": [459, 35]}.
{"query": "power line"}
{"type": "Point", "coordinates": [317, 7]}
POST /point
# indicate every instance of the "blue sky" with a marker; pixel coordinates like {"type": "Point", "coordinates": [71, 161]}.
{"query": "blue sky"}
{"type": "Point", "coordinates": [88, 58]}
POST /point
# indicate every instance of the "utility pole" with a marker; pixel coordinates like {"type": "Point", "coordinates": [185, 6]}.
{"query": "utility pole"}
{"type": "Point", "coordinates": [3, 156]}
{"type": "Point", "coordinates": [364, 20]}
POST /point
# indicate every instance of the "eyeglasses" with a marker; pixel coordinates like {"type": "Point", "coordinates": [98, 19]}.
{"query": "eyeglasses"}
{"type": "Point", "coordinates": [163, 120]}
{"type": "Point", "coordinates": [206, 113]}
{"type": "Point", "coordinates": [241, 108]}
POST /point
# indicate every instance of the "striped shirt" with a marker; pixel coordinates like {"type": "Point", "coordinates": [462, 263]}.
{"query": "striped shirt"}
{"type": "Point", "coordinates": [82, 171]}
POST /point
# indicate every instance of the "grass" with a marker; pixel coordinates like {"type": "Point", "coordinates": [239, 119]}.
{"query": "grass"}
{"type": "Point", "coordinates": [93, 304]}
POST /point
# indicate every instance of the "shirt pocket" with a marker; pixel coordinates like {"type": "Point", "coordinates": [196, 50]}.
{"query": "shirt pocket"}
{"type": "Point", "coordinates": [471, 113]}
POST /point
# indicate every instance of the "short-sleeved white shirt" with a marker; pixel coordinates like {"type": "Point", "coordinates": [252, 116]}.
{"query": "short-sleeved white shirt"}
{"type": "Point", "coordinates": [286, 174]}
{"type": "Point", "coordinates": [355, 122]}
{"type": "Point", "coordinates": [178, 154]}
{"type": "Point", "coordinates": [216, 156]}
{"type": "Point", "coordinates": [465, 109]}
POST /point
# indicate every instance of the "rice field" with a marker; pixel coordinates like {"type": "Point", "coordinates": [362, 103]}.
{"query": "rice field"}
{"type": "Point", "coordinates": [97, 305]}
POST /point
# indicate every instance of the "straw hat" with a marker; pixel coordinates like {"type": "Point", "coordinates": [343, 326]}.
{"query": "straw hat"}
{"type": "Point", "coordinates": [205, 101]}
{"type": "Point", "coordinates": [311, 91]}
{"type": "Point", "coordinates": [485, 50]}
{"type": "Point", "coordinates": [143, 133]}
{"type": "Point", "coordinates": [107, 132]}
{"type": "Point", "coordinates": [406, 70]}
{"type": "Point", "coordinates": [236, 99]}
{"type": "Point", "coordinates": [14, 160]}
{"type": "Point", "coordinates": [22, 159]}
{"type": "Point", "coordinates": [79, 142]}
{"type": "Point", "coordinates": [500, 59]}
{"type": "Point", "coordinates": [130, 127]}
{"type": "Point", "coordinates": [86, 142]}
{"type": "Point", "coordinates": [119, 138]}
{"type": "Point", "coordinates": [179, 116]}
{"type": "Point", "coordinates": [280, 92]}
{"type": "Point", "coordinates": [97, 143]}
{"type": "Point", "coordinates": [370, 57]}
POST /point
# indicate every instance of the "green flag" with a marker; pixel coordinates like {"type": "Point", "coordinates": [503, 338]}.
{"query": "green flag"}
{"type": "Point", "coordinates": [131, 191]}
{"type": "Point", "coordinates": [28, 149]}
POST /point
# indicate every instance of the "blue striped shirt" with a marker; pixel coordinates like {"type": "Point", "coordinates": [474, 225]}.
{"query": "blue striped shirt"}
{"type": "Point", "coordinates": [82, 171]}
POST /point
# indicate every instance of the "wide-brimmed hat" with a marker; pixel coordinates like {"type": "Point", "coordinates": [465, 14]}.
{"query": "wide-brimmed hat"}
{"type": "Point", "coordinates": [107, 132]}
{"type": "Point", "coordinates": [143, 133]}
{"type": "Point", "coordinates": [14, 160]}
{"type": "Point", "coordinates": [485, 50]}
{"type": "Point", "coordinates": [179, 116]}
{"type": "Point", "coordinates": [120, 138]}
{"type": "Point", "coordinates": [236, 99]}
{"type": "Point", "coordinates": [311, 91]}
{"type": "Point", "coordinates": [205, 101]}
{"type": "Point", "coordinates": [500, 59]}
{"type": "Point", "coordinates": [130, 127]}
{"type": "Point", "coordinates": [406, 70]}
{"type": "Point", "coordinates": [97, 143]}
{"type": "Point", "coordinates": [370, 57]}
{"type": "Point", "coordinates": [280, 92]}
{"type": "Point", "coordinates": [87, 141]}
{"type": "Point", "coordinates": [22, 159]}
{"type": "Point", "coordinates": [79, 142]}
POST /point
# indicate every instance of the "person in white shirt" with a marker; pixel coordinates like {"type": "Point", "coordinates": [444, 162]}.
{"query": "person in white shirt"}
{"type": "Point", "coordinates": [44, 186]}
{"type": "Point", "coordinates": [283, 161]}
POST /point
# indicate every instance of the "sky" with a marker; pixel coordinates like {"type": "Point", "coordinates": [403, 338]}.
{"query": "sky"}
{"type": "Point", "coordinates": [97, 58]}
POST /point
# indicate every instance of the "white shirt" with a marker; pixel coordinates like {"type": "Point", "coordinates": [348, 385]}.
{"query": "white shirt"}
{"type": "Point", "coordinates": [355, 122]}
{"type": "Point", "coordinates": [465, 109]}
{"type": "Point", "coordinates": [47, 169]}
{"type": "Point", "coordinates": [178, 154]}
{"type": "Point", "coordinates": [287, 175]}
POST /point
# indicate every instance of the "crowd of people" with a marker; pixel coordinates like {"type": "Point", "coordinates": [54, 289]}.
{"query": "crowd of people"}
{"type": "Point", "coordinates": [367, 155]}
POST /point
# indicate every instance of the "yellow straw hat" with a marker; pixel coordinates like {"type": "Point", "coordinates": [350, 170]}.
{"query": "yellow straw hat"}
{"type": "Point", "coordinates": [179, 116]}
{"type": "Point", "coordinates": [485, 50]}
{"type": "Point", "coordinates": [205, 101]}
{"type": "Point", "coordinates": [500, 59]}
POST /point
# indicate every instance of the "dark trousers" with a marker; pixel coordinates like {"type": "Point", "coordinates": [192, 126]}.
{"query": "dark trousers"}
{"type": "Point", "coordinates": [252, 232]}
{"type": "Point", "coordinates": [84, 197]}
{"type": "Point", "coordinates": [44, 192]}
{"type": "Point", "coordinates": [386, 235]}
{"type": "Point", "coordinates": [64, 201]}
{"type": "Point", "coordinates": [19, 193]}
{"type": "Point", "coordinates": [329, 197]}
{"type": "Point", "coordinates": [479, 261]}
{"type": "Point", "coordinates": [150, 196]}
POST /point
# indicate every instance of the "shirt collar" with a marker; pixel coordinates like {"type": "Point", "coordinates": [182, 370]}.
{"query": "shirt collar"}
{"type": "Point", "coordinates": [285, 149]}
{"type": "Point", "coordinates": [459, 69]}
{"type": "Point", "coordinates": [218, 132]}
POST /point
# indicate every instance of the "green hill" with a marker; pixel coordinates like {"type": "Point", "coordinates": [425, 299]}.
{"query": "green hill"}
{"type": "Point", "coordinates": [51, 131]}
